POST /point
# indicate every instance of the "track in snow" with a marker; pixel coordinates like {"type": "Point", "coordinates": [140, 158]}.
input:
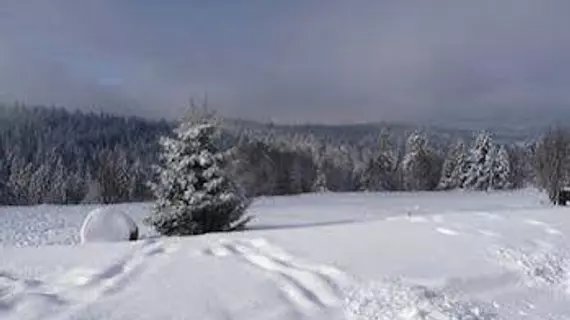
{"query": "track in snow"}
{"type": "Point", "coordinates": [311, 287]}
{"type": "Point", "coordinates": [78, 288]}
{"type": "Point", "coordinates": [306, 285]}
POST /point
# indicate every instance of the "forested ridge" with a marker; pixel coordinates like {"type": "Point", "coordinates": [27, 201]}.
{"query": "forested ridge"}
{"type": "Point", "coordinates": [53, 155]}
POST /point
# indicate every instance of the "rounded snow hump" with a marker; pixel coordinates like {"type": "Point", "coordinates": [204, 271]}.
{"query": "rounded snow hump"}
{"type": "Point", "coordinates": [108, 225]}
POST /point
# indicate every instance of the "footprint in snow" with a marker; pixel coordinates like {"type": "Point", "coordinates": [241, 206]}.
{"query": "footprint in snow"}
{"type": "Point", "coordinates": [306, 285]}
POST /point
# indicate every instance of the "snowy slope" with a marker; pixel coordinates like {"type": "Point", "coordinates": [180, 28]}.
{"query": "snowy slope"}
{"type": "Point", "coordinates": [332, 256]}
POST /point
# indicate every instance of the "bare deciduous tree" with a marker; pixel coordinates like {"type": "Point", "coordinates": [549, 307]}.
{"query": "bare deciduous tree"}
{"type": "Point", "coordinates": [551, 162]}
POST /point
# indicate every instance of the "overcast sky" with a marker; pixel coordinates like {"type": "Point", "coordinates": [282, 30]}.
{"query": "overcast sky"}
{"type": "Point", "coordinates": [290, 60]}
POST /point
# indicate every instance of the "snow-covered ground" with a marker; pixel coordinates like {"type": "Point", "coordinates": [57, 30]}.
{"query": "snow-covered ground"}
{"type": "Point", "coordinates": [331, 256]}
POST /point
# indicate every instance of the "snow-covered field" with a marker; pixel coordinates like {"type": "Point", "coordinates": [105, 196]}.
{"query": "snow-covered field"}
{"type": "Point", "coordinates": [331, 256]}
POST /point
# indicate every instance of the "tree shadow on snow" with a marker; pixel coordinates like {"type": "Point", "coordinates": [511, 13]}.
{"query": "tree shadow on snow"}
{"type": "Point", "coordinates": [301, 225]}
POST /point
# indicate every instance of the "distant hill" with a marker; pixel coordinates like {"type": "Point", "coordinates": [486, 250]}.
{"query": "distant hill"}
{"type": "Point", "coordinates": [440, 134]}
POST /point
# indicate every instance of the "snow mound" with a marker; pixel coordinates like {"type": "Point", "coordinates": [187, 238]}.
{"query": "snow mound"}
{"type": "Point", "coordinates": [546, 268]}
{"type": "Point", "coordinates": [108, 225]}
{"type": "Point", "coordinates": [396, 300]}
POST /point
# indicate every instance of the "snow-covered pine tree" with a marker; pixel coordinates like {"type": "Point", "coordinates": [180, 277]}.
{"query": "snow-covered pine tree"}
{"type": "Point", "coordinates": [122, 175]}
{"type": "Point", "coordinates": [379, 172]}
{"type": "Point", "coordinates": [194, 193]}
{"type": "Point", "coordinates": [478, 171]}
{"type": "Point", "coordinates": [19, 180]}
{"type": "Point", "coordinates": [453, 167]}
{"type": "Point", "coordinates": [39, 183]}
{"type": "Point", "coordinates": [77, 185]}
{"type": "Point", "coordinates": [137, 178]}
{"type": "Point", "coordinates": [501, 170]}
{"type": "Point", "coordinates": [461, 169]}
{"type": "Point", "coordinates": [420, 164]}
{"type": "Point", "coordinates": [58, 192]}
{"type": "Point", "coordinates": [489, 168]}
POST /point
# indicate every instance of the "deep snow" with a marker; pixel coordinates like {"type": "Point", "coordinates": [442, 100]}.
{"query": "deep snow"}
{"type": "Point", "coordinates": [329, 256]}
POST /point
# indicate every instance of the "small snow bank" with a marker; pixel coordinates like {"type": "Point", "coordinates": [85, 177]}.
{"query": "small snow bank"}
{"type": "Point", "coordinates": [538, 268]}
{"type": "Point", "coordinates": [108, 225]}
{"type": "Point", "coordinates": [396, 300]}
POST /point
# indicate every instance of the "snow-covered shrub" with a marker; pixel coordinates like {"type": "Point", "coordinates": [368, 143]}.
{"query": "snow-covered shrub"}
{"type": "Point", "coordinates": [108, 225]}
{"type": "Point", "coordinates": [546, 268]}
{"type": "Point", "coordinates": [194, 192]}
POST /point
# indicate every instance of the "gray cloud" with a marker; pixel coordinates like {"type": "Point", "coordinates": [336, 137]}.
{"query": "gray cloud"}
{"type": "Point", "coordinates": [333, 61]}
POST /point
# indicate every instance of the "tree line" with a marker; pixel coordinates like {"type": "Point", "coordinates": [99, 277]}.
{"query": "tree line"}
{"type": "Point", "coordinates": [290, 164]}
{"type": "Point", "coordinates": [53, 155]}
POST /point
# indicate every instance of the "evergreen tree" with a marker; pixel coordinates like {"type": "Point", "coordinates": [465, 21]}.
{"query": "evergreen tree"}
{"type": "Point", "coordinates": [478, 173]}
{"type": "Point", "coordinates": [77, 186]}
{"type": "Point", "coordinates": [501, 170]}
{"type": "Point", "coordinates": [59, 189]}
{"type": "Point", "coordinates": [420, 167]}
{"type": "Point", "coordinates": [379, 174]}
{"type": "Point", "coordinates": [18, 182]}
{"type": "Point", "coordinates": [194, 194]}
{"type": "Point", "coordinates": [39, 184]}
{"type": "Point", "coordinates": [5, 196]}
{"type": "Point", "coordinates": [453, 168]}
{"type": "Point", "coordinates": [137, 182]}
{"type": "Point", "coordinates": [253, 168]}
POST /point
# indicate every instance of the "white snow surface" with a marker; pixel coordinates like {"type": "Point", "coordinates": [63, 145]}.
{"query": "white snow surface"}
{"type": "Point", "coordinates": [107, 225]}
{"type": "Point", "coordinates": [382, 256]}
